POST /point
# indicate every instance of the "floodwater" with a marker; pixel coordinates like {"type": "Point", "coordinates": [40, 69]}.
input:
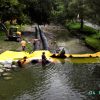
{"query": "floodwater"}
{"type": "Point", "coordinates": [73, 79]}
{"type": "Point", "coordinates": [70, 79]}
{"type": "Point", "coordinates": [62, 81]}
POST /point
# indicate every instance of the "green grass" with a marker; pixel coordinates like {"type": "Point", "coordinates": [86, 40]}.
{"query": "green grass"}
{"type": "Point", "coordinates": [76, 26]}
{"type": "Point", "coordinates": [92, 36]}
{"type": "Point", "coordinates": [96, 36]}
{"type": "Point", "coordinates": [94, 43]}
{"type": "Point", "coordinates": [89, 30]}
{"type": "Point", "coordinates": [29, 48]}
{"type": "Point", "coordinates": [12, 46]}
{"type": "Point", "coordinates": [73, 25]}
{"type": "Point", "coordinates": [8, 45]}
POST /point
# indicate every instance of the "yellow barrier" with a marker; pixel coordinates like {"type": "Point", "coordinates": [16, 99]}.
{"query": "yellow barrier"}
{"type": "Point", "coordinates": [12, 55]}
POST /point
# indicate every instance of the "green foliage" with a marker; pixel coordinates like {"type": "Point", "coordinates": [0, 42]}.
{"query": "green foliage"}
{"type": "Point", "coordinates": [44, 11]}
{"type": "Point", "coordinates": [93, 11]}
{"type": "Point", "coordinates": [58, 12]}
{"type": "Point", "coordinates": [29, 48]}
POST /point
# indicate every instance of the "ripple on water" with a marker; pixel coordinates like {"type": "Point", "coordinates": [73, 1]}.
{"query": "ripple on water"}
{"type": "Point", "coordinates": [66, 81]}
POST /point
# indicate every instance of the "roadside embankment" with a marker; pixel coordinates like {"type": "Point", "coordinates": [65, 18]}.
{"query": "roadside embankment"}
{"type": "Point", "coordinates": [89, 35]}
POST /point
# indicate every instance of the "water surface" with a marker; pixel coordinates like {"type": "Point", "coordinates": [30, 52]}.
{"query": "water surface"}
{"type": "Point", "coordinates": [62, 81]}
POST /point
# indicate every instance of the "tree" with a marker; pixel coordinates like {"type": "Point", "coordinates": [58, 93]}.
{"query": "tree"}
{"type": "Point", "coordinates": [74, 8]}
{"type": "Point", "coordinates": [8, 10]}
{"type": "Point", "coordinates": [12, 9]}
{"type": "Point", "coordinates": [38, 10]}
{"type": "Point", "coordinates": [93, 11]}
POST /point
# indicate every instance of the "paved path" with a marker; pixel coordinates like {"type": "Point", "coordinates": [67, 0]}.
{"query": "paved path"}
{"type": "Point", "coordinates": [92, 25]}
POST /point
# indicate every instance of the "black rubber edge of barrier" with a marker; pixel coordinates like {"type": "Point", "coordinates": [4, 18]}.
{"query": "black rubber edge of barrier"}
{"type": "Point", "coordinates": [43, 39]}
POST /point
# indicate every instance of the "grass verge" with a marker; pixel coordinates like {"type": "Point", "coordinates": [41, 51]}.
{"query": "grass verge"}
{"type": "Point", "coordinates": [93, 42]}
{"type": "Point", "coordinates": [76, 26]}
{"type": "Point", "coordinates": [92, 36]}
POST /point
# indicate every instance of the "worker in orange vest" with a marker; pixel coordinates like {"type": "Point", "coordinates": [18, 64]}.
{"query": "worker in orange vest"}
{"type": "Point", "coordinates": [21, 62]}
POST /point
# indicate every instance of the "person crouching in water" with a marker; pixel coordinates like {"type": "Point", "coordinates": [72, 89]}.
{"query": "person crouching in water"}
{"type": "Point", "coordinates": [21, 62]}
{"type": "Point", "coordinates": [44, 59]}
{"type": "Point", "coordinates": [62, 53]}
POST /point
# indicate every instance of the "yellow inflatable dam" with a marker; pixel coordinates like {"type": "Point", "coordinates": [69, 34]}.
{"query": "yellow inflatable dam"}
{"type": "Point", "coordinates": [13, 56]}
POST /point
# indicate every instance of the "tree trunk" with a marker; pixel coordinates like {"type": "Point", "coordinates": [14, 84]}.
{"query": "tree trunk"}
{"type": "Point", "coordinates": [82, 23]}
{"type": "Point", "coordinates": [4, 28]}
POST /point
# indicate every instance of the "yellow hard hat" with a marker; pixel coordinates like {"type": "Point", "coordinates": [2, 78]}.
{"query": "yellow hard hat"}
{"type": "Point", "coordinates": [18, 32]}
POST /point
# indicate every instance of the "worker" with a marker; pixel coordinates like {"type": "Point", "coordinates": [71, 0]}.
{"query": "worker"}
{"type": "Point", "coordinates": [58, 50]}
{"type": "Point", "coordinates": [20, 37]}
{"type": "Point", "coordinates": [21, 61]}
{"type": "Point", "coordinates": [62, 53]}
{"type": "Point", "coordinates": [23, 43]}
{"type": "Point", "coordinates": [34, 43]}
{"type": "Point", "coordinates": [19, 33]}
{"type": "Point", "coordinates": [44, 59]}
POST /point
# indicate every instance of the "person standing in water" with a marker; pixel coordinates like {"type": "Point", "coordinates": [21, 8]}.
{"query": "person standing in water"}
{"type": "Point", "coordinates": [43, 59]}
{"type": "Point", "coordinates": [35, 41]}
{"type": "Point", "coordinates": [62, 53]}
{"type": "Point", "coordinates": [23, 43]}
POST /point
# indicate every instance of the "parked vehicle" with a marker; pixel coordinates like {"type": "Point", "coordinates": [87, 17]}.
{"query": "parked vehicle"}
{"type": "Point", "coordinates": [12, 33]}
